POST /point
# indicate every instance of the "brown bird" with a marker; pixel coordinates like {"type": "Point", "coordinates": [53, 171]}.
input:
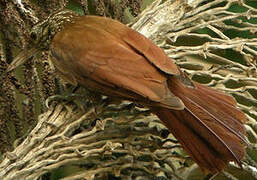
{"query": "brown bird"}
{"type": "Point", "coordinates": [108, 57]}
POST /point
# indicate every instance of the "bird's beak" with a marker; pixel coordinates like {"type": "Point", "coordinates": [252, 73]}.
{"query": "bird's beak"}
{"type": "Point", "coordinates": [22, 58]}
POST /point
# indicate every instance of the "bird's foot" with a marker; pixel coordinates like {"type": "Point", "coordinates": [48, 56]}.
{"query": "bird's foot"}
{"type": "Point", "coordinates": [67, 98]}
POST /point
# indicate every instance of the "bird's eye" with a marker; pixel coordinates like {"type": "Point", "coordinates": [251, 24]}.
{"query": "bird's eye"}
{"type": "Point", "coordinates": [33, 35]}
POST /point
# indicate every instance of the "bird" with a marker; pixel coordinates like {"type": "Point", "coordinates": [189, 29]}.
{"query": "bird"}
{"type": "Point", "coordinates": [110, 58]}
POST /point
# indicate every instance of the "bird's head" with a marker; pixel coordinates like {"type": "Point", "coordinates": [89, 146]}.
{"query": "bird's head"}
{"type": "Point", "coordinates": [42, 34]}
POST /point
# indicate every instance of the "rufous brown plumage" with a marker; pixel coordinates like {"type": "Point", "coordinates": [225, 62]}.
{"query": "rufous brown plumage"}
{"type": "Point", "coordinates": [108, 57]}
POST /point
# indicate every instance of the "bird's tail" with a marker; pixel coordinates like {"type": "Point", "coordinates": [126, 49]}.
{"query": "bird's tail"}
{"type": "Point", "coordinates": [210, 128]}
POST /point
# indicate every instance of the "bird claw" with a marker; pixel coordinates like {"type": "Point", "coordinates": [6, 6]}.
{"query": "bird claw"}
{"type": "Point", "coordinates": [69, 97]}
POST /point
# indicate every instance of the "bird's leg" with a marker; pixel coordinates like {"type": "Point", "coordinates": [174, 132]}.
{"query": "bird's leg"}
{"type": "Point", "coordinates": [66, 94]}
{"type": "Point", "coordinates": [81, 97]}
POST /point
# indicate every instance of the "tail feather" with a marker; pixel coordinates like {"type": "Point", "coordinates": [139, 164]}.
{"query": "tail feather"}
{"type": "Point", "coordinates": [210, 128]}
{"type": "Point", "coordinates": [235, 117]}
{"type": "Point", "coordinates": [207, 157]}
{"type": "Point", "coordinates": [230, 123]}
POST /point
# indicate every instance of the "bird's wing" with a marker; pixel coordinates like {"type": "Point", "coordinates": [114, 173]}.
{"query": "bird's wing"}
{"type": "Point", "coordinates": [94, 53]}
{"type": "Point", "coordinates": [153, 54]}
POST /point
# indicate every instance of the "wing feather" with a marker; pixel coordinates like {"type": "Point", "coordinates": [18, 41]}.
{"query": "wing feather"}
{"type": "Point", "coordinates": [135, 40]}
